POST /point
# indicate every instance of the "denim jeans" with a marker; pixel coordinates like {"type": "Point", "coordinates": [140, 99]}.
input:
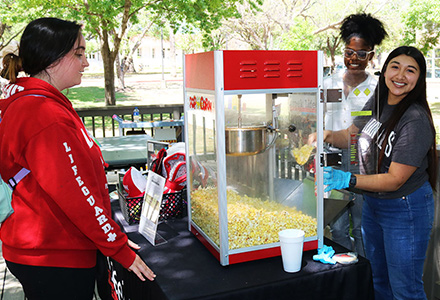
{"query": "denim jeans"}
{"type": "Point", "coordinates": [396, 234]}
{"type": "Point", "coordinates": [340, 228]}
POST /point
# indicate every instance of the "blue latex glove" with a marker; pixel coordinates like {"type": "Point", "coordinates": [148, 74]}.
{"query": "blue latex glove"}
{"type": "Point", "coordinates": [335, 179]}
{"type": "Point", "coordinates": [326, 249]}
{"type": "Point", "coordinates": [325, 255]}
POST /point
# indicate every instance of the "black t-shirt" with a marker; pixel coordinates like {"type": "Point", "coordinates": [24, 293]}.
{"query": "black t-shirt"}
{"type": "Point", "coordinates": [407, 144]}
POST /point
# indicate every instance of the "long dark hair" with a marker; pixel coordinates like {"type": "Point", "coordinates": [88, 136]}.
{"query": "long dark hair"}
{"type": "Point", "coordinates": [43, 42]}
{"type": "Point", "coordinates": [416, 96]}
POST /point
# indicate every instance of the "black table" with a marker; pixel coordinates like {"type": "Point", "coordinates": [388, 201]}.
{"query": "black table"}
{"type": "Point", "coordinates": [185, 269]}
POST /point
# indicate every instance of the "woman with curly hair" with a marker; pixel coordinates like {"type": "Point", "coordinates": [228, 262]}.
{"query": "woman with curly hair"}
{"type": "Point", "coordinates": [360, 33]}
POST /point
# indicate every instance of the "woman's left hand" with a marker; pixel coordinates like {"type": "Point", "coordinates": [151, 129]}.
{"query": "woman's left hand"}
{"type": "Point", "coordinates": [335, 179]}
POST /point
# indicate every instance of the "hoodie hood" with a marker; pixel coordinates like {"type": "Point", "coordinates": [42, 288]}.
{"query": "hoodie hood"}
{"type": "Point", "coordinates": [31, 86]}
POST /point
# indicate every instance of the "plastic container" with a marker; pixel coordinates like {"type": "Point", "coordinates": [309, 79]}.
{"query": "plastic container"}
{"type": "Point", "coordinates": [346, 258]}
{"type": "Point", "coordinates": [136, 115]}
{"type": "Point", "coordinates": [173, 205]}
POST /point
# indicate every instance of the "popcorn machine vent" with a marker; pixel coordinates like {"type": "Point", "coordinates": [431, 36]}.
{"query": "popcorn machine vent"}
{"type": "Point", "coordinates": [272, 69]}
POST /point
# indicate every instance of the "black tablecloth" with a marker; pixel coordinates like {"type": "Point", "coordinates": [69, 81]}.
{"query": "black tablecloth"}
{"type": "Point", "coordinates": [185, 269]}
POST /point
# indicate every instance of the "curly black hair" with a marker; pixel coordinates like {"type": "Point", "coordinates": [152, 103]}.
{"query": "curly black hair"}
{"type": "Point", "coordinates": [364, 26]}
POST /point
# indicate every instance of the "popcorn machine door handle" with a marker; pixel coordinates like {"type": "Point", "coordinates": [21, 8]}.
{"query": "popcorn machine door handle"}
{"type": "Point", "coordinates": [328, 159]}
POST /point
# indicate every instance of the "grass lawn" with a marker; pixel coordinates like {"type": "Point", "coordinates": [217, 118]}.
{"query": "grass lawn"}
{"type": "Point", "coordinates": [93, 96]}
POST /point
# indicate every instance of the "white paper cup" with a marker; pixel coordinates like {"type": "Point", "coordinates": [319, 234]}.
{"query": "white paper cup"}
{"type": "Point", "coordinates": [291, 241]}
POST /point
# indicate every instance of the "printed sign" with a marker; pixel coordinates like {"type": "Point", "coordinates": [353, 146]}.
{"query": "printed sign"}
{"type": "Point", "coordinates": [151, 208]}
{"type": "Point", "coordinates": [200, 103]}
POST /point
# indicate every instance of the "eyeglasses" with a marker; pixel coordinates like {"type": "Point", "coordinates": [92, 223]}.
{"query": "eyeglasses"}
{"type": "Point", "coordinates": [361, 54]}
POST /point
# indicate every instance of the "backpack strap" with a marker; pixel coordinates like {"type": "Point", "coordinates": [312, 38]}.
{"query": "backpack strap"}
{"type": "Point", "coordinates": [13, 181]}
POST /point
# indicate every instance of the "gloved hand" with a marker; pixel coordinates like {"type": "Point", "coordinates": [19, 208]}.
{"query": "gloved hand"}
{"type": "Point", "coordinates": [325, 255]}
{"type": "Point", "coordinates": [335, 179]}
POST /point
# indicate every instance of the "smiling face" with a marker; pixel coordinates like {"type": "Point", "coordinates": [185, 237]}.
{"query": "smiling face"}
{"type": "Point", "coordinates": [401, 76]}
{"type": "Point", "coordinates": [68, 71]}
{"type": "Point", "coordinates": [353, 63]}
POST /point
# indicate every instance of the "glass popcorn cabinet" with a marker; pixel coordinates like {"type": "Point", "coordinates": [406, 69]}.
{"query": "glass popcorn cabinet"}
{"type": "Point", "coordinates": [251, 173]}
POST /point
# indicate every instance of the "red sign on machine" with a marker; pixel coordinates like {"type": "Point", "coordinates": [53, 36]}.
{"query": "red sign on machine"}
{"type": "Point", "coordinates": [201, 103]}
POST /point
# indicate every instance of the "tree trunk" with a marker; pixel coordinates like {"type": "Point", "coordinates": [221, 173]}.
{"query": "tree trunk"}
{"type": "Point", "coordinates": [173, 54]}
{"type": "Point", "coordinates": [109, 78]}
{"type": "Point", "coordinates": [332, 45]}
{"type": "Point", "coordinates": [120, 70]}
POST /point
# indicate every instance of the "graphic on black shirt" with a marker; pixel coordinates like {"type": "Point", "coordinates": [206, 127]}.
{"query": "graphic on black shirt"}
{"type": "Point", "coordinates": [407, 144]}
{"type": "Point", "coordinates": [370, 143]}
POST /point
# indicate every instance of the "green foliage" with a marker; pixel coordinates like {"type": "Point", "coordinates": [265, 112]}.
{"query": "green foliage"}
{"type": "Point", "coordinates": [422, 24]}
{"type": "Point", "coordinates": [108, 20]}
{"type": "Point", "coordinates": [299, 37]}
{"type": "Point", "coordinates": [191, 42]}
{"type": "Point", "coordinates": [13, 19]}
{"type": "Point", "coordinates": [13, 12]}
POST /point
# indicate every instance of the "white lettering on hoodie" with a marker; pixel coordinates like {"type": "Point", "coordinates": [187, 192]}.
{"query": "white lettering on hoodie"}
{"type": "Point", "coordinates": [100, 217]}
{"type": "Point", "coordinates": [11, 89]}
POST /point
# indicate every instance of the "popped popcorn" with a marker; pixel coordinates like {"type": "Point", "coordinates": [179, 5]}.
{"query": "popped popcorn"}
{"type": "Point", "coordinates": [251, 221]}
{"type": "Point", "coordinates": [302, 154]}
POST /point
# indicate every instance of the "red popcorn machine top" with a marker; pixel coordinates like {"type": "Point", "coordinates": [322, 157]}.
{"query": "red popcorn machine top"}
{"type": "Point", "coordinates": [248, 115]}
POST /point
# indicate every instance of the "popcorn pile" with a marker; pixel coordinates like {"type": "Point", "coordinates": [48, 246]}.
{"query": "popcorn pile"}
{"type": "Point", "coordinates": [251, 221]}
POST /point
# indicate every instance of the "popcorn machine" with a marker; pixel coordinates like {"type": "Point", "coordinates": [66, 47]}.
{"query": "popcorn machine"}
{"type": "Point", "coordinates": [251, 174]}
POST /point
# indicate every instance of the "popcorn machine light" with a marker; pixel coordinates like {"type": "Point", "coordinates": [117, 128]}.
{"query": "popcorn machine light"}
{"type": "Point", "coordinates": [251, 174]}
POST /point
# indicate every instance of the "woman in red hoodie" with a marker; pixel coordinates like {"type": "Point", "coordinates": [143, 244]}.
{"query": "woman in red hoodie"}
{"type": "Point", "coordinates": [62, 213]}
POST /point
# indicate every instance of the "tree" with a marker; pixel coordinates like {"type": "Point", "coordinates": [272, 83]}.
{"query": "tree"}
{"type": "Point", "coordinates": [308, 24]}
{"type": "Point", "coordinates": [326, 32]}
{"type": "Point", "coordinates": [108, 20]}
{"type": "Point", "coordinates": [298, 37]}
{"type": "Point", "coordinates": [13, 19]}
{"type": "Point", "coordinates": [422, 24]}
{"type": "Point", "coordinates": [129, 45]}
{"type": "Point", "coordinates": [262, 26]}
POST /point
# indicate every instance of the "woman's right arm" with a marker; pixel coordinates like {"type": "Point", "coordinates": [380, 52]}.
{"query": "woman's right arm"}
{"type": "Point", "coordinates": [339, 139]}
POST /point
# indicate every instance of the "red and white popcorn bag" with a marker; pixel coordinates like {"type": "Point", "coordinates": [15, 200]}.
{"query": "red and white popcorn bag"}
{"type": "Point", "coordinates": [176, 180]}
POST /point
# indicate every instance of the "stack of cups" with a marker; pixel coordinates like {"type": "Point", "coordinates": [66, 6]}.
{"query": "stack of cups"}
{"type": "Point", "coordinates": [291, 241]}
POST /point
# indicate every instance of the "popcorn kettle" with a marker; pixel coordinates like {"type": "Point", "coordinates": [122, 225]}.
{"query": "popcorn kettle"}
{"type": "Point", "coordinates": [250, 140]}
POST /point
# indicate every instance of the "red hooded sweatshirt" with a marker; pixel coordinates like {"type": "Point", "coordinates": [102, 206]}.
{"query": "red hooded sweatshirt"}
{"type": "Point", "coordinates": [62, 211]}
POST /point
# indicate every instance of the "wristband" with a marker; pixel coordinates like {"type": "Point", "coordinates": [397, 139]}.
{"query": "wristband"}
{"type": "Point", "coordinates": [353, 180]}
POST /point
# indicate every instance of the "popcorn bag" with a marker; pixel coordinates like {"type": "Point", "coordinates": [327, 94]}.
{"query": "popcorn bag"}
{"type": "Point", "coordinates": [174, 205]}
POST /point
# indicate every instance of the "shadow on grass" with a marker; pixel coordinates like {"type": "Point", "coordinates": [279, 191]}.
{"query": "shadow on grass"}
{"type": "Point", "coordinates": [93, 96]}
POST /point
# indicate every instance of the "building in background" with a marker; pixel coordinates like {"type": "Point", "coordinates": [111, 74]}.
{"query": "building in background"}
{"type": "Point", "coordinates": [146, 59]}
